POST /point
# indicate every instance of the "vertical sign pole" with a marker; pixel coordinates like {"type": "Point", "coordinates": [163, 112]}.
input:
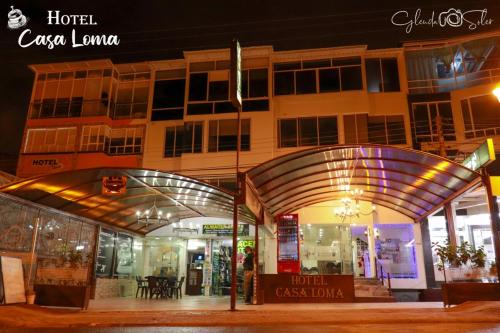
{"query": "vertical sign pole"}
{"type": "Point", "coordinates": [235, 95]}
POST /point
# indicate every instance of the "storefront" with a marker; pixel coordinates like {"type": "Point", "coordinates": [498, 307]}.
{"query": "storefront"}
{"type": "Point", "coordinates": [355, 214]}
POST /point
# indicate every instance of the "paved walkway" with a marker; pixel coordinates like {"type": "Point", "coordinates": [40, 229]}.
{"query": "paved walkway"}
{"type": "Point", "coordinates": [222, 303]}
{"type": "Point", "coordinates": [397, 315]}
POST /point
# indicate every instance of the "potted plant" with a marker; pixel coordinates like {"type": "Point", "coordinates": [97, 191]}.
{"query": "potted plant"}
{"type": "Point", "coordinates": [30, 296]}
{"type": "Point", "coordinates": [75, 258]}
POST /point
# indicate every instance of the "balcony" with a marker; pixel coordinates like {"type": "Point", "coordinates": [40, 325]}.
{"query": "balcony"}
{"type": "Point", "coordinates": [429, 86]}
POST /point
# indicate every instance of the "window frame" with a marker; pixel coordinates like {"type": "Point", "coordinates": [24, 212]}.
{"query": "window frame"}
{"type": "Point", "coordinates": [297, 131]}
{"type": "Point", "coordinates": [317, 69]}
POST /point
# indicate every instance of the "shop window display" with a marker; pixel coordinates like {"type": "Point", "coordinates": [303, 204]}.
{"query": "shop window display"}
{"type": "Point", "coordinates": [395, 250]}
{"type": "Point", "coordinates": [325, 249]}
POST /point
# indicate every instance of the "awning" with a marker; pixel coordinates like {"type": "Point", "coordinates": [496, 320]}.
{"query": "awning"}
{"type": "Point", "coordinates": [80, 192]}
{"type": "Point", "coordinates": [411, 182]}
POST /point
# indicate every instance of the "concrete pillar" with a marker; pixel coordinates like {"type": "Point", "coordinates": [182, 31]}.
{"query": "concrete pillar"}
{"type": "Point", "coordinates": [371, 249]}
{"type": "Point", "coordinates": [450, 216]}
{"type": "Point", "coordinates": [428, 262]}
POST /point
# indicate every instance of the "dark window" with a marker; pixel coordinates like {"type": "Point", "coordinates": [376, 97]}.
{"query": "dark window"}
{"type": "Point", "coordinates": [373, 75]}
{"type": "Point", "coordinates": [193, 137]}
{"type": "Point", "coordinates": [198, 86]}
{"type": "Point", "coordinates": [351, 78]}
{"type": "Point", "coordinates": [382, 74]}
{"type": "Point", "coordinates": [218, 91]}
{"type": "Point", "coordinates": [305, 82]}
{"type": "Point", "coordinates": [256, 105]}
{"type": "Point", "coordinates": [376, 130]}
{"type": "Point", "coordinates": [346, 61]}
{"type": "Point", "coordinates": [199, 108]}
{"type": "Point", "coordinates": [75, 109]}
{"type": "Point", "coordinates": [47, 108]}
{"type": "Point", "coordinates": [62, 107]}
{"type": "Point", "coordinates": [169, 94]}
{"type": "Point", "coordinates": [447, 121]}
{"type": "Point", "coordinates": [224, 107]}
{"type": "Point", "coordinates": [286, 66]}
{"type": "Point", "coordinates": [317, 63]}
{"type": "Point", "coordinates": [258, 83]}
{"type": "Point", "coordinates": [168, 114]}
{"type": "Point", "coordinates": [329, 80]}
{"type": "Point", "coordinates": [308, 132]}
{"type": "Point", "coordinates": [284, 83]}
{"type": "Point", "coordinates": [169, 142]}
{"type": "Point", "coordinates": [328, 131]}
{"type": "Point", "coordinates": [222, 135]}
{"type": "Point", "coordinates": [80, 74]}
{"type": "Point", "coordinates": [390, 74]}
{"type": "Point", "coordinates": [288, 133]}
{"type": "Point", "coordinates": [396, 130]}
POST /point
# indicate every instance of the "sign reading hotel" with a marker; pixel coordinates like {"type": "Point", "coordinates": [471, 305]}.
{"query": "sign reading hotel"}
{"type": "Point", "coordinates": [295, 288]}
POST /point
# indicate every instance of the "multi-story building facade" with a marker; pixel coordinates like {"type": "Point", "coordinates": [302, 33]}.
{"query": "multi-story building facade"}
{"type": "Point", "coordinates": [175, 115]}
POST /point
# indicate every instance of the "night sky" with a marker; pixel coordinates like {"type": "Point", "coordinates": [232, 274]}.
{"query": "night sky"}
{"type": "Point", "coordinates": [162, 29]}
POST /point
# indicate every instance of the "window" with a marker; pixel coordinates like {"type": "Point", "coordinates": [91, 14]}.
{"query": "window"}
{"type": "Point", "coordinates": [50, 140]}
{"type": "Point", "coordinates": [209, 93]}
{"type": "Point", "coordinates": [94, 138]}
{"type": "Point", "coordinates": [382, 74]}
{"type": "Point", "coordinates": [168, 99]}
{"type": "Point", "coordinates": [355, 128]}
{"type": "Point", "coordinates": [126, 141]}
{"type": "Point", "coordinates": [307, 131]}
{"type": "Point", "coordinates": [480, 116]}
{"type": "Point", "coordinates": [317, 76]}
{"type": "Point", "coordinates": [424, 121]}
{"type": "Point", "coordinates": [254, 90]}
{"type": "Point", "coordinates": [361, 128]}
{"type": "Point", "coordinates": [222, 135]}
{"type": "Point", "coordinates": [386, 130]}
{"type": "Point", "coordinates": [187, 138]}
{"type": "Point", "coordinates": [132, 96]}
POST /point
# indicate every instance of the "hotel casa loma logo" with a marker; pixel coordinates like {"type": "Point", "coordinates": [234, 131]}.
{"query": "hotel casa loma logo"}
{"type": "Point", "coordinates": [27, 38]}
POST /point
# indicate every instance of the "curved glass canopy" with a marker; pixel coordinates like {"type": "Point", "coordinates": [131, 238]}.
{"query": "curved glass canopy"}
{"type": "Point", "coordinates": [410, 182]}
{"type": "Point", "coordinates": [80, 192]}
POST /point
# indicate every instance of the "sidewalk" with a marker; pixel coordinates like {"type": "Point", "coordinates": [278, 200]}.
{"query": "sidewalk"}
{"type": "Point", "coordinates": [275, 315]}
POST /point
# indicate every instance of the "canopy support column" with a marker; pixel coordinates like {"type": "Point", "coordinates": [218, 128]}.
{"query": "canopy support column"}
{"type": "Point", "coordinates": [449, 214]}
{"type": "Point", "coordinates": [494, 217]}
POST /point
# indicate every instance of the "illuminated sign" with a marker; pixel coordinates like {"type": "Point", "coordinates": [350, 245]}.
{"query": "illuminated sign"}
{"type": "Point", "coordinates": [114, 185]}
{"type": "Point", "coordinates": [481, 157]}
{"type": "Point", "coordinates": [235, 84]}
{"type": "Point", "coordinates": [225, 229]}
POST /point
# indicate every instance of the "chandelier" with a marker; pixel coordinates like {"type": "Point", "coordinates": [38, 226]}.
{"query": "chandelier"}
{"type": "Point", "coordinates": [351, 207]}
{"type": "Point", "coordinates": [152, 215]}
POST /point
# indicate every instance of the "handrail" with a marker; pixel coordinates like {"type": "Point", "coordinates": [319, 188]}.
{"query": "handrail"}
{"type": "Point", "coordinates": [382, 278]}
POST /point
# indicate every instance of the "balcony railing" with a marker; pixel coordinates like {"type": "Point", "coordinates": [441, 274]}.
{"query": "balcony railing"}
{"type": "Point", "coordinates": [459, 82]}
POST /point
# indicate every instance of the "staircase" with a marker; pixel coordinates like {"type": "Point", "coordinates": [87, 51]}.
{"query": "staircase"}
{"type": "Point", "coordinates": [369, 290]}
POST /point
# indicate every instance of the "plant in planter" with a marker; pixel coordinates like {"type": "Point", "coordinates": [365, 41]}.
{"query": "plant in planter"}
{"type": "Point", "coordinates": [30, 295]}
{"type": "Point", "coordinates": [75, 258]}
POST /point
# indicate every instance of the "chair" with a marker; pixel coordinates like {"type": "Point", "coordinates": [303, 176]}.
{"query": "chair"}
{"type": "Point", "coordinates": [142, 286]}
{"type": "Point", "coordinates": [177, 289]}
{"type": "Point", "coordinates": [154, 287]}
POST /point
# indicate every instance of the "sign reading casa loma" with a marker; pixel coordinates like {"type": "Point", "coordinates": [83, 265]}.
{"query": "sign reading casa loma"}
{"type": "Point", "coordinates": [296, 288]}
{"type": "Point", "coordinates": [309, 286]}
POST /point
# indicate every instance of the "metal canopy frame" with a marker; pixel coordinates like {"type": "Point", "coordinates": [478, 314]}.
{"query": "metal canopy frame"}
{"type": "Point", "coordinates": [411, 182]}
{"type": "Point", "coordinates": [79, 192]}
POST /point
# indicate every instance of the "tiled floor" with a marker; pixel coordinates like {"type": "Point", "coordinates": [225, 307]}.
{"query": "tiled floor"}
{"type": "Point", "coordinates": [222, 303]}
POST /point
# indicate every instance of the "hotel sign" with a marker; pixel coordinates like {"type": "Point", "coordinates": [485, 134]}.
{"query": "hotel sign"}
{"type": "Point", "coordinates": [295, 288]}
{"type": "Point", "coordinates": [481, 157]}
